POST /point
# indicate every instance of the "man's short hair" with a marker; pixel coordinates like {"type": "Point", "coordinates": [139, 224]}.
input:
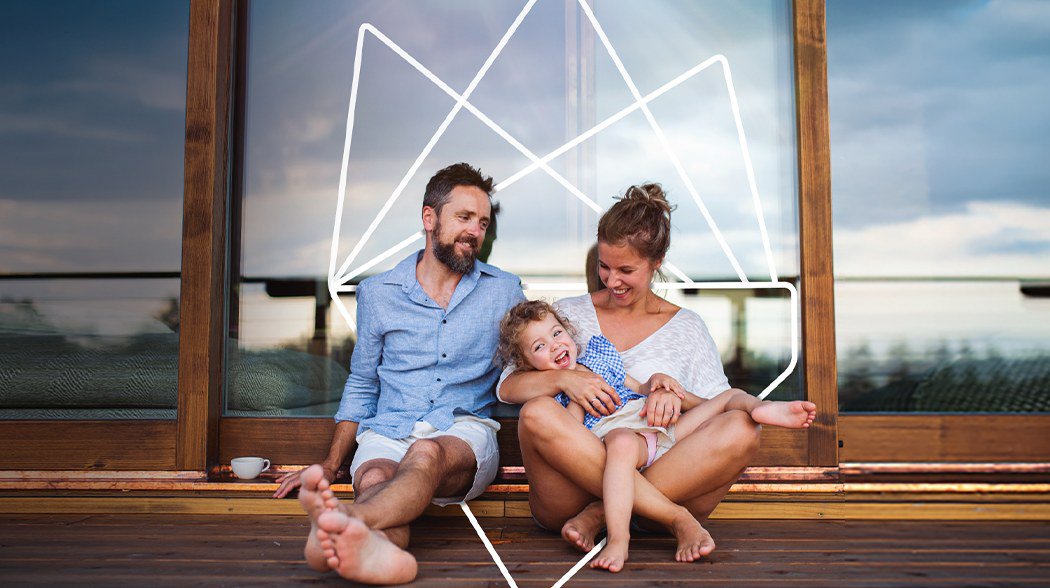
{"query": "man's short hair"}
{"type": "Point", "coordinates": [458, 174]}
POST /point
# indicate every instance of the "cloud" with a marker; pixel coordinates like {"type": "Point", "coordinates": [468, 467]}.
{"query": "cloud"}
{"type": "Point", "coordinates": [59, 127]}
{"type": "Point", "coordinates": [90, 236]}
{"type": "Point", "coordinates": [986, 239]}
{"type": "Point", "coordinates": [127, 78]}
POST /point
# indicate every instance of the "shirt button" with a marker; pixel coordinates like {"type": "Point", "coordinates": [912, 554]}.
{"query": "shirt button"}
{"type": "Point", "coordinates": [439, 379]}
{"type": "Point", "coordinates": [444, 321]}
{"type": "Point", "coordinates": [443, 355]}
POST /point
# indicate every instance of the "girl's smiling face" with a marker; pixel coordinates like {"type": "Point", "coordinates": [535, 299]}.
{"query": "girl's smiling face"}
{"type": "Point", "coordinates": [546, 345]}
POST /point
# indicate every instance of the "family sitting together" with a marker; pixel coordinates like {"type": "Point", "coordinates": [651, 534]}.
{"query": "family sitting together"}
{"type": "Point", "coordinates": [626, 409]}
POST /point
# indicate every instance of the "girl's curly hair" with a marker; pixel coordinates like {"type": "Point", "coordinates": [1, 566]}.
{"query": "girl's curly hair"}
{"type": "Point", "coordinates": [509, 351]}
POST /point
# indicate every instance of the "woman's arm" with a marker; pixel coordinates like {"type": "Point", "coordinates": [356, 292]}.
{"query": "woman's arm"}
{"type": "Point", "coordinates": [581, 386]}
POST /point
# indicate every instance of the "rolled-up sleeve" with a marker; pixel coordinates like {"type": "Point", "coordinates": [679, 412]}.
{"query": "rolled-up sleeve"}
{"type": "Point", "coordinates": [361, 393]}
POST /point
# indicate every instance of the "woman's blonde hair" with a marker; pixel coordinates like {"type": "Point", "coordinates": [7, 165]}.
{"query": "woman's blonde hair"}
{"type": "Point", "coordinates": [509, 351]}
{"type": "Point", "coordinates": [642, 219]}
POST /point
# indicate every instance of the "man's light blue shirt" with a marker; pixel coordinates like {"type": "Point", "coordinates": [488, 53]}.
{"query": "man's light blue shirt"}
{"type": "Point", "coordinates": [415, 361]}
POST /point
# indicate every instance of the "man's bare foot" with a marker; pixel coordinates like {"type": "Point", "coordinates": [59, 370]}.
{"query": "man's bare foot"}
{"type": "Point", "coordinates": [694, 541]}
{"type": "Point", "coordinates": [612, 557]}
{"type": "Point", "coordinates": [358, 553]}
{"type": "Point", "coordinates": [315, 497]}
{"type": "Point", "coordinates": [797, 414]}
{"type": "Point", "coordinates": [581, 529]}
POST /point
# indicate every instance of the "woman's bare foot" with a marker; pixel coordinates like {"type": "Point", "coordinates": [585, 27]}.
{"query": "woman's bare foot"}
{"type": "Point", "coordinates": [358, 553]}
{"type": "Point", "coordinates": [694, 541]}
{"type": "Point", "coordinates": [613, 556]}
{"type": "Point", "coordinates": [797, 414]}
{"type": "Point", "coordinates": [581, 529]}
{"type": "Point", "coordinates": [315, 497]}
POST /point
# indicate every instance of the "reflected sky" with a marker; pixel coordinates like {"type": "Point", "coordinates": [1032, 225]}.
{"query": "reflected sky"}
{"type": "Point", "coordinates": [552, 81]}
{"type": "Point", "coordinates": [939, 127]}
{"type": "Point", "coordinates": [92, 127]}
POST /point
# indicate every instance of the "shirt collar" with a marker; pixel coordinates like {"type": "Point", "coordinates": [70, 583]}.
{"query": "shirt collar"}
{"type": "Point", "coordinates": [404, 273]}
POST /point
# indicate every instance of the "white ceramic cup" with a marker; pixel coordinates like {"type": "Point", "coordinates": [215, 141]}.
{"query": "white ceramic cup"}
{"type": "Point", "coordinates": [249, 468]}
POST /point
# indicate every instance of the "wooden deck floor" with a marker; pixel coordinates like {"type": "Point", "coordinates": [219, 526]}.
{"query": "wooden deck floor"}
{"type": "Point", "coordinates": [182, 550]}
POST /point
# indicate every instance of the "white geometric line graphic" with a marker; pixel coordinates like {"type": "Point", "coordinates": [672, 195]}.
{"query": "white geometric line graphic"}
{"type": "Point", "coordinates": [433, 140]}
{"type": "Point", "coordinates": [663, 140]}
{"type": "Point", "coordinates": [338, 279]}
{"type": "Point", "coordinates": [488, 544]}
{"type": "Point", "coordinates": [460, 100]}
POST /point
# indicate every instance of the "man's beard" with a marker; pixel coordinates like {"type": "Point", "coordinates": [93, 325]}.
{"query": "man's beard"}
{"type": "Point", "coordinates": [447, 254]}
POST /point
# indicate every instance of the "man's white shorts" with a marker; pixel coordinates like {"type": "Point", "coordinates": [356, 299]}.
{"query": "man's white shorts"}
{"type": "Point", "coordinates": [478, 433]}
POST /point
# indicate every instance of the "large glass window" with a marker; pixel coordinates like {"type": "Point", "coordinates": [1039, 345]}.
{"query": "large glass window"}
{"type": "Point", "coordinates": [939, 146]}
{"type": "Point", "coordinates": [697, 96]}
{"type": "Point", "coordinates": [92, 128]}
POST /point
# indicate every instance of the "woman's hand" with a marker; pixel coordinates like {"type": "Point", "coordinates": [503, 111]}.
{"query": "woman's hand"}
{"type": "Point", "coordinates": [590, 391]}
{"type": "Point", "coordinates": [660, 381]}
{"type": "Point", "coordinates": [662, 408]}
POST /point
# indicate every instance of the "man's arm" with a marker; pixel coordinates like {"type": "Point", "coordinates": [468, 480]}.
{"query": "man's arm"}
{"type": "Point", "coordinates": [343, 441]}
{"type": "Point", "coordinates": [360, 395]}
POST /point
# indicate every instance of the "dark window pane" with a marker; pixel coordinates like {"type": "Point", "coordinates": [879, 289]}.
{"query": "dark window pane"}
{"type": "Point", "coordinates": [92, 128]}
{"type": "Point", "coordinates": [939, 127]}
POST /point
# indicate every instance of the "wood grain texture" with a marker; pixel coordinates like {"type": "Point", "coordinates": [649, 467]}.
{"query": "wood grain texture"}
{"type": "Point", "coordinates": [817, 278]}
{"type": "Point", "coordinates": [202, 326]}
{"type": "Point", "coordinates": [752, 506]}
{"type": "Point", "coordinates": [945, 438]}
{"type": "Point", "coordinates": [87, 445]}
{"type": "Point", "coordinates": [167, 550]}
{"type": "Point", "coordinates": [284, 441]}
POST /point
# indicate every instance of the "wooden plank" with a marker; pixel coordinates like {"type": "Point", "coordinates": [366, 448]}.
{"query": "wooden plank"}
{"type": "Point", "coordinates": [815, 245]}
{"type": "Point", "coordinates": [87, 445]}
{"type": "Point", "coordinates": [945, 438]}
{"type": "Point", "coordinates": [250, 550]}
{"type": "Point", "coordinates": [291, 441]}
{"type": "Point", "coordinates": [202, 326]}
{"type": "Point", "coordinates": [783, 447]}
{"type": "Point", "coordinates": [816, 509]}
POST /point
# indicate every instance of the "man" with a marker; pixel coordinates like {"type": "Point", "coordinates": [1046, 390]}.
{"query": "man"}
{"type": "Point", "coordinates": [419, 396]}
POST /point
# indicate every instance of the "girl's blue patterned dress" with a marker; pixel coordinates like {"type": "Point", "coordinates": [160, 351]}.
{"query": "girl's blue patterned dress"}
{"type": "Point", "coordinates": [603, 359]}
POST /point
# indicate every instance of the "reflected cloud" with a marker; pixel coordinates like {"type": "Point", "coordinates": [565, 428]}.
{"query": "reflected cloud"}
{"type": "Point", "coordinates": [986, 239]}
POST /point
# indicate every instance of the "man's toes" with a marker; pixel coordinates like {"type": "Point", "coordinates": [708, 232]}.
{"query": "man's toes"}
{"type": "Point", "coordinates": [332, 521]}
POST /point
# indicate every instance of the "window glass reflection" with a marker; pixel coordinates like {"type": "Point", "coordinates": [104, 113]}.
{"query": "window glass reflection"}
{"type": "Point", "coordinates": [552, 82]}
{"type": "Point", "coordinates": [92, 127]}
{"type": "Point", "coordinates": [938, 119]}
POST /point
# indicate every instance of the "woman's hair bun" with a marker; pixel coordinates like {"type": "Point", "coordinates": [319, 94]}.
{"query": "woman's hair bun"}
{"type": "Point", "coordinates": [652, 194]}
{"type": "Point", "coordinates": [640, 218]}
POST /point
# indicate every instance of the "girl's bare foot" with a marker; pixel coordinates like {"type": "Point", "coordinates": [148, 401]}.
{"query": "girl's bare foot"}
{"type": "Point", "coordinates": [313, 499]}
{"type": "Point", "coordinates": [797, 414]}
{"type": "Point", "coordinates": [581, 529]}
{"type": "Point", "coordinates": [694, 541]}
{"type": "Point", "coordinates": [360, 554]}
{"type": "Point", "coordinates": [612, 557]}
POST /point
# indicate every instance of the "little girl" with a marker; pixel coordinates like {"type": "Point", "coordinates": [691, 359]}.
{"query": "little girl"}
{"type": "Point", "coordinates": [534, 336]}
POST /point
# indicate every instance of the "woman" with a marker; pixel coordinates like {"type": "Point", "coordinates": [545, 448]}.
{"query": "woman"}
{"type": "Point", "coordinates": [652, 335]}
